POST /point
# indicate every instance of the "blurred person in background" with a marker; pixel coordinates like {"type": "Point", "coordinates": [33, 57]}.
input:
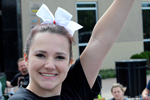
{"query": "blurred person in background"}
{"type": "Point", "coordinates": [20, 79]}
{"type": "Point", "coordinates": [118, 91]}
{"type": "Point", "coordinates": [146, 91]}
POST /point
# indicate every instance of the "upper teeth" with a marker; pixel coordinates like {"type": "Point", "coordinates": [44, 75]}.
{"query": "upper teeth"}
{"type": "Point", "coordinates": [47, 75]}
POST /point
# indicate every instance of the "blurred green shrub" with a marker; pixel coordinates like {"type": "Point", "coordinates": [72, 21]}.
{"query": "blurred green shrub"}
{"type": "Point", "coordinates": [143, 55]}
{"type": "Point", "coordinates": [107, 73]}
{"type": "Point", "coordinates": [148, 72]}
{"type": "Point", "coordinates": [111, 73]}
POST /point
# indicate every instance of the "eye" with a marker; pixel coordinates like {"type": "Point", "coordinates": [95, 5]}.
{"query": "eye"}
{"type": "Point", "coordinates": [60, 57]}
{"type": "Point", "coordinates": [40, 55]}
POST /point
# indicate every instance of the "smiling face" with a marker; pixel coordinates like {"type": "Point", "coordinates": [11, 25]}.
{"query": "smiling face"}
{"type": "Point", "coordinates": [118, 93]}
{"type": "Point", "coordinates": [48, 63]}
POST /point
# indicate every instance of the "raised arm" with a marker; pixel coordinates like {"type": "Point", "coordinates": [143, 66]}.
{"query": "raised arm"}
{"type": "Point", "coordinates": [103, 37]}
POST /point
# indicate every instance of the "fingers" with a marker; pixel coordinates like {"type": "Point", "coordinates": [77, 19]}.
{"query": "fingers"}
{"type": "Point", "coordinates": [146, 98]}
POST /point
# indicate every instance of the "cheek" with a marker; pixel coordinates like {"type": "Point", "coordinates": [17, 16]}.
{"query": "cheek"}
{"type": "Point", "coordinates": [114, 94]}
{"type": "Point", "coordinates": [122, 94]}
{"type": "Point", "coordinates": [63, 67]}
{"type": "Point", "coordinates": [33, 65]}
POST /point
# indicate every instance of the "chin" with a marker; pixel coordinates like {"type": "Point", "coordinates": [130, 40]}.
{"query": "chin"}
{"type": "Point", "coordinates": [50, 86]}
{"type": "Point", "coordinates": [47, 86]}
{"type": "Point", "coordinates": [118, 98]}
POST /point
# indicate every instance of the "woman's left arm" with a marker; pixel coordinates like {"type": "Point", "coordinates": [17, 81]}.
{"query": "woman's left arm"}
{"type": "Point", "coordinates": [103, 37]}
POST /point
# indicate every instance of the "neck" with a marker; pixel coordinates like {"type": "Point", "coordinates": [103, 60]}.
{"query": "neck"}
{"type": "Point", "coordinates": [120, 98]}
{"type": "Point", "coordinates": [24, 73]}
{"type": "Point", "coordinates": [44, 92]}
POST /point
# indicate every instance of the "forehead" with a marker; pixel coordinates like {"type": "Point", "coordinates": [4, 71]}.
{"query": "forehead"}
{"type": "Point", "coordinates": [116, 89]}
{"type": "Point", "coordinates": [21, 62]}
{"type": "Point", "coordinates": [47, 40]}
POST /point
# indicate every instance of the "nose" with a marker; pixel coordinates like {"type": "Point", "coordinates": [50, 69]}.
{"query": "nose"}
{"type": "Point", "coordinates": [50, 64]}
{"type": "Point", "coordinates": [23, 66]}
{"type": "Point", "coordinates": [117, 94]}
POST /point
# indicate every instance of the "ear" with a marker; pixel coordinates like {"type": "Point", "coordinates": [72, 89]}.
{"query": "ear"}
{"type": "Point", "coordinates": [72, 61]}
{"type": "Point", "coordinates": [26, 59]}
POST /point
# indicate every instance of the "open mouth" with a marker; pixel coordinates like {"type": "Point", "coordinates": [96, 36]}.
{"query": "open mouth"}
{"type": "Point", "coordinates": [48, 75]}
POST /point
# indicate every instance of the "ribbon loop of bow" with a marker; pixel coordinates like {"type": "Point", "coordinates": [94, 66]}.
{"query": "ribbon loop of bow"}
{"type": "Point", "coordinates": [62, 18]}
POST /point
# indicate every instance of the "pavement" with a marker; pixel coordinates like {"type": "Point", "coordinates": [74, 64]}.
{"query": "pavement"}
{"type": "Point", "coordinates": [106, 87]}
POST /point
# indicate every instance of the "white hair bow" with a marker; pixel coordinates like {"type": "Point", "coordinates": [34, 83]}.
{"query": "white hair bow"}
{"type": "Point", "coordinates": [62, 18]}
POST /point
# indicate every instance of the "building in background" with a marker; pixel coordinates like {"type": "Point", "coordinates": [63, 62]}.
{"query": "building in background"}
{"type": "Point", "coordinates": [18, 17]}
{"type": "Point", "coordinates": [87, 13]}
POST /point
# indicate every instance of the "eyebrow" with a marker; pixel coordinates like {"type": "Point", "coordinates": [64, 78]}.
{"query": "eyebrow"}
{"type": "Point", "coordinates": [61, 53]}
{"type": "Point", "coordinates": [58, 53]}
{"type": "Point", "coordinates": [40, 51]}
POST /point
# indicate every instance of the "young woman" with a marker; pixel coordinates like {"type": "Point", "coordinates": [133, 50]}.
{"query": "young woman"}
{"type": "Point", "coordinates": [117, 91]}
{"type": "Point", "coordinates": [48, 54]}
